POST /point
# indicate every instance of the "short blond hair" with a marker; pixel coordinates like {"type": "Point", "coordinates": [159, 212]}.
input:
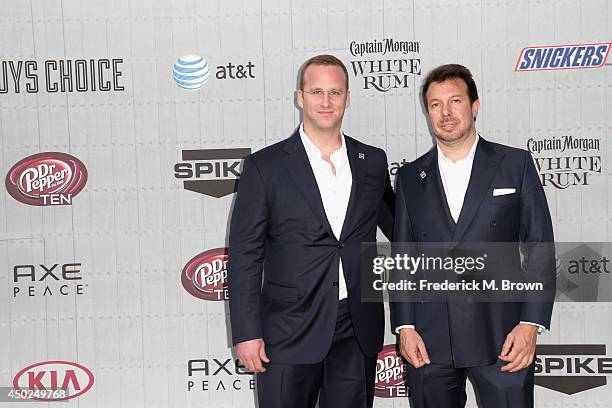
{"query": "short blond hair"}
{"type": "Point", "coordinates": [323, 59]}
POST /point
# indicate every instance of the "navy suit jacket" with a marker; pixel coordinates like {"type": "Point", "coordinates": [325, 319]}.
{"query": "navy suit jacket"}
{"type": "Point", "coordinates": [284, 258]}
{"type": "Point", "coordinates": [463, 333]}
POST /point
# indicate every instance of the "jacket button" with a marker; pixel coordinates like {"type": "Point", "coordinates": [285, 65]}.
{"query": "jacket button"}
{"type": "Point", "coordinates": [340, 246]}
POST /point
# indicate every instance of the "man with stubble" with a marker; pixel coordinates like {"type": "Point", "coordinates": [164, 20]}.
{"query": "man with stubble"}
{"type": "Point", "coordinates": [467, 189]}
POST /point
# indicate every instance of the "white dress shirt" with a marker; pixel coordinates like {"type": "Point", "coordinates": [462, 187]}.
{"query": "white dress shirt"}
{"type": "Point", "coordinates": [455, 177]}
{"type": "Point", "coordinates": [335, 189]}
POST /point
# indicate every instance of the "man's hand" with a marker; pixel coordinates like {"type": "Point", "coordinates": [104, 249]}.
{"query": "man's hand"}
{"type": "Point", "coordinates": [412, 347]}
{"type": "Point", "coordinates": [251, 353]}
{"type": "Point", "coordinates": [519, 348]}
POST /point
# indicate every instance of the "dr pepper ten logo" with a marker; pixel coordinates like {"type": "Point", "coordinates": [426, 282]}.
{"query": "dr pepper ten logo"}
{"type": "Point", "coordinates": [50, 178]}
{"type": "Point", "coordinates": [205, 275]}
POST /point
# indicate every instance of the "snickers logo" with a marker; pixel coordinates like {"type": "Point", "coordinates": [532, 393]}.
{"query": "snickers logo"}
{"type": "Point", "coordinates": [563, 57]}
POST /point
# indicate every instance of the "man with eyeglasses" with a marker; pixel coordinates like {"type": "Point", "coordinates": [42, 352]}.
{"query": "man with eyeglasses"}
{"type": "Point", "coordinates": [303, 207]}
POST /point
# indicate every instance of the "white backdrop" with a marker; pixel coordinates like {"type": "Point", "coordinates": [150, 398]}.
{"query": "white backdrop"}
{"type": "Point", "coordinates": [128, 235]}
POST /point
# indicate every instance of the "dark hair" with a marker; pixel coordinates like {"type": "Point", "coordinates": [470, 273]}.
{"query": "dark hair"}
{"type": "Point", "coordinates": [324, 59]}
{"type": "Point", "coordinates": [446, 72]}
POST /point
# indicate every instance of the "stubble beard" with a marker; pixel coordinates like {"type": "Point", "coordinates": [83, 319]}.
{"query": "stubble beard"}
{"type": "Point", "coordinates": [456, 136]}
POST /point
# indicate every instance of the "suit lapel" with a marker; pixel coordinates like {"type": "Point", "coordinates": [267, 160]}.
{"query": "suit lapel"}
{"type": "Point", "coordinates": [300, 170]}
{"type": "Point", "coordinates": [484, 168]}
{"type": "Point", "coordinates": [433, 189]}
{"type": "Point", "coordinates": [357, 161]}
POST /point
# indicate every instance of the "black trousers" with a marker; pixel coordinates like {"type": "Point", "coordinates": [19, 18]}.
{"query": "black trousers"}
{"type": "Point", "coordinates": [440, 386]}
{"type": "Point", "coordinates": [344, 379]}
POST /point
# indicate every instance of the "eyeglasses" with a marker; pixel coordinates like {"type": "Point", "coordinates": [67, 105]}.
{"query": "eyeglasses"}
{"type": "Point", "coordinates": [319, 93]}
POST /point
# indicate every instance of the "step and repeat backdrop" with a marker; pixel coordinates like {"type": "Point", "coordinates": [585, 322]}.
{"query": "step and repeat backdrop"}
{"type": "Point", "coordinates": [123, 125]}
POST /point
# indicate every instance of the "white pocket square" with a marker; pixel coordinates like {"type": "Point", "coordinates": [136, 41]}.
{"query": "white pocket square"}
{"type": "Point", "coordinates": [503, 191]}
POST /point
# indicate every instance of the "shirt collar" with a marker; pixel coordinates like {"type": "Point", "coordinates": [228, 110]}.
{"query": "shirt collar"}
{"type": "Point", "coordinates": [469, 157]}
{"type": "Point", "coordinates": [311, 149]}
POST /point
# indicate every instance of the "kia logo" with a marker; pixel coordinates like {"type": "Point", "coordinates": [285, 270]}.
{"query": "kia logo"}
{"type": "Point", "coordinates": [55, 375]}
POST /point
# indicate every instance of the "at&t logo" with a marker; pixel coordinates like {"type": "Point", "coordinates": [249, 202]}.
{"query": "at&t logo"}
{"type": "Point", "coordinates": [190, 72]}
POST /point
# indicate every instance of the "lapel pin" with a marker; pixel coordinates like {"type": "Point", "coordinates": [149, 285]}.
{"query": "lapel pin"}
{"type": "Point", "coordinates": [422, 174]}
{"type": "Point", "coordinates": [361, 156]}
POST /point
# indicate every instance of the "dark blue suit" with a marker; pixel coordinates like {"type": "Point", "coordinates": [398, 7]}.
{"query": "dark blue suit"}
{"type": "Point", "coordinates": [471, 334]}
{"type": "Point", "coordinates": [284, 257]}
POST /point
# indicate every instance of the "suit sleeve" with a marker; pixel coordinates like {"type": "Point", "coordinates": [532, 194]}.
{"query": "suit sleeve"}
{"type": "Point", "coordinates": [536, 235]}
{"type": "Point", "coordinates": [387, 206]}
{"type": "Point", "coordinates": [402, 312]}
{"type": "Point", "coordinates": [247, 236]}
